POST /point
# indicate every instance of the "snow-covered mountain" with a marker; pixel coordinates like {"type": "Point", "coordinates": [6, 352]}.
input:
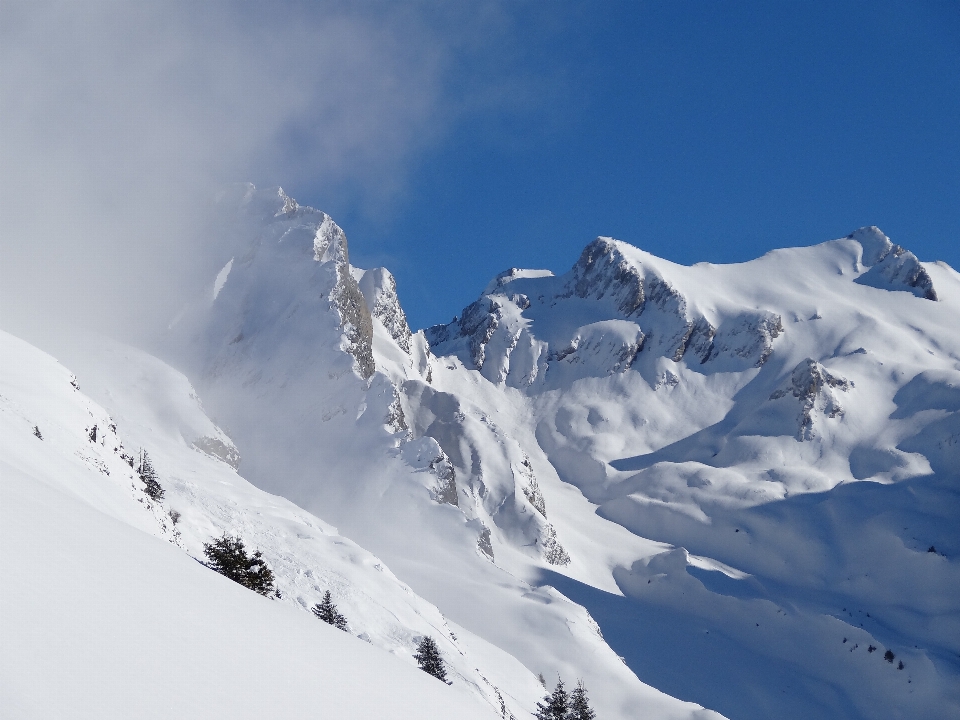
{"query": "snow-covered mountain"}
{"type": "Point", "coordinates": [729, 487]}
{"type": "Point", "coordinates": [679, 450]}
{"type": "Point", "coordinates": [340, 410]}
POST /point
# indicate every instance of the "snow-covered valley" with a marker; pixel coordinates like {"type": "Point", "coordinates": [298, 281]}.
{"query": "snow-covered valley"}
{"type": "Point", "coordinates": [709, 490]}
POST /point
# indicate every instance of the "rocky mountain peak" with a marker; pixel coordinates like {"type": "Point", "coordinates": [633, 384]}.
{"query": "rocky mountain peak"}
{"type": "Point", "coordinates": [891, 267]}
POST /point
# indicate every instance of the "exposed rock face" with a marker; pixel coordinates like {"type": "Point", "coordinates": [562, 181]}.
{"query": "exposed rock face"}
{"type": "Point", "coordinates": [891, 266]}
{"type": "Point", "coordinates": [289, 263]}
{"type": "Point", "coordinates": [425, 453]}
{"type": "Point", "coordinates": [330, 245]}
{"type": "Point", "coordinates": [636, 309]}
{"type": "Point", "coordinates": [530, 488]}
{"type": "Point", "coordinates": [546, 535]}
{"type": "Point", "coordinates": [380, 292]}
{"type": "Point", "coordinates": [698, 341]}
{"type": "Point", "coordinates": [446, 489]}
{"type": "Point", "coordinates": [615, 344]}
{"type": "Point", "coordinates": [219, 449]}
{"type": "Point", "coordinates": [602, 270]}
{"type": "Point", "coordinates": [812, 385]}
{"type": "Point", "coordinates": [395, 419]}
{"type": "Point", "coordinates": [749, 337]}
{"type": "Point", "coordinates": [436, 422]}
{"type": "Point", "coordinates": [484, 543]}
{"type": "Point", "coordinates": [479, 322]}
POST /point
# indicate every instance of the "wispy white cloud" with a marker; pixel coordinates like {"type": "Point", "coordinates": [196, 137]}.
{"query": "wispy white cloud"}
{"type": "Point", "coordinates": [118, 119]}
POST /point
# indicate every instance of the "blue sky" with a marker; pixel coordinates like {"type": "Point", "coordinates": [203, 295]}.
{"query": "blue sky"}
{"type": "Point", "coordinates": [695, 130]}
{"type": "Point", "coordinates": [454, 140]}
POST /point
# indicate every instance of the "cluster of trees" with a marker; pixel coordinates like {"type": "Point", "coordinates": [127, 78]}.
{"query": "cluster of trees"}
{"type": "Point", "coordinates": [229, 557]}
{"type": "Point", "coordinates": [560, 705]}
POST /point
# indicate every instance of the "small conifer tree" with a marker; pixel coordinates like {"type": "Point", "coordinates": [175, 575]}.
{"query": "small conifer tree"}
{"type": "Point", "coordinates": [328, 612]}
{"type": "Point", "coordinates": [556, 705]}
{"type": "Point", "coordinates": [429, 660]}
{"type": "Point", "coordinates": [580, 704]}
{"type": "Point", "coordinates": [149, 477]}
{"type": "Point", "coordinates": [228, 556]}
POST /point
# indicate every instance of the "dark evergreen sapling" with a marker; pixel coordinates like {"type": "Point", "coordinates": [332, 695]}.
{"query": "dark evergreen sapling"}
{"type": "Point", "coordinates": [228, 556]}
{"type": "Point", "coordinates": [580, 704]}
{"type": "Point", "coordinates": [429, 660]}
{"type": "Point", "coordinates": [328, 612]}
{"type": "Point", "coordinates": [149, 477]}
{"type": "Point", "coordinates": [555, 705]}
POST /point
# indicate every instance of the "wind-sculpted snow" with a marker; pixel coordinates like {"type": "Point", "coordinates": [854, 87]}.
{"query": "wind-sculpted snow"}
{"type": "Point", "coordinates": [744, 466]}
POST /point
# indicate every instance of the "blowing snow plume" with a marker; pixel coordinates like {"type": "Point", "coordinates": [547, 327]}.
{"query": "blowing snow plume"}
{"type": "Point", "coordinates": [121, 120]}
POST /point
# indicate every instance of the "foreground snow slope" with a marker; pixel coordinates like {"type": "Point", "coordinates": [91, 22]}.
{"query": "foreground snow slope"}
{"type": "Point", "coordinates": [738, 470]}
{"type": "Point", "coordinates": [109, 617]}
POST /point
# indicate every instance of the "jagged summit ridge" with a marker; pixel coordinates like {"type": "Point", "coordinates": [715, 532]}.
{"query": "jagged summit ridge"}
{"type": "Point", "coordinates": [679, 312]}
{"type": "Point", "coordinates": [611, 282]}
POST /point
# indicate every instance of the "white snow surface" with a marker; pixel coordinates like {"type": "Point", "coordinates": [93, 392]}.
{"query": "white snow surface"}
{"type": "Point", "coordinates": [732, 487]}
